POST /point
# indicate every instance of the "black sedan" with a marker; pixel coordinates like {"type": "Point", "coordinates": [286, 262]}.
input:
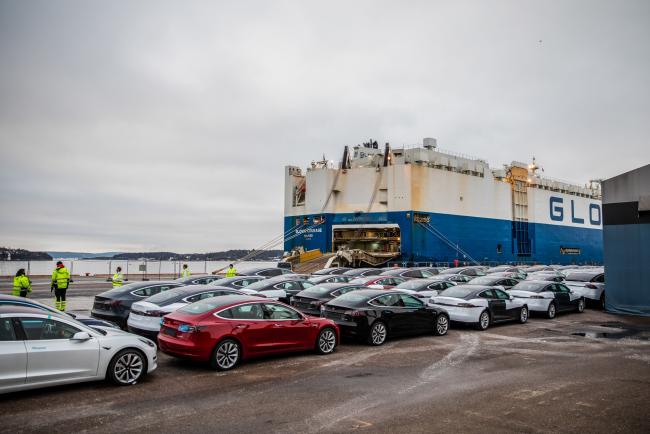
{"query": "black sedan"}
{"type": "Point", "coordinates": [375, 315]}
{"type": "Point", "coordinates": [115, 305]}
{"type": "Point", "coordinates": [310, 300]}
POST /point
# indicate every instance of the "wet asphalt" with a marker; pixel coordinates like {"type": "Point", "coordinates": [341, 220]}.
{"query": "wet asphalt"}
{"type": "Point", "coordinates": [585, 372]}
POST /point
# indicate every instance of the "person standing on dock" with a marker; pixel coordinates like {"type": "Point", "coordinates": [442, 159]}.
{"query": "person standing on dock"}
{"type": "Point", "coordinates": [186, 271]}
{"type": "Point", "coordinates": [60, 282]}
{"type": "Point", "coordinates": [118, 278]}
{"type": "Point", "coordinates": [22, 285]}
{"type": "Point", "coordinates": [231, 272]}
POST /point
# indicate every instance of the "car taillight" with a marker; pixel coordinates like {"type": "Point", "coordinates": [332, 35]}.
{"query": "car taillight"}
{"type": "Point", "coordinates": [590, 286]}
{"type": "Point", "coordinates": [154, 313]}
{"type": "Point", "coordinates": [466, 305]}
{"type": "Point", "coordinates": [536, 296]}
{"type": "Point", "coordinates": [186, 328]}
{"type": "Point", "coordinates": [353, 313]}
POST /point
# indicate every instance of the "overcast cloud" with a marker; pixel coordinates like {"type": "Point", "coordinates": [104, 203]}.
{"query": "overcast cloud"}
{"type": "Point", "coordinates": [156, 125]}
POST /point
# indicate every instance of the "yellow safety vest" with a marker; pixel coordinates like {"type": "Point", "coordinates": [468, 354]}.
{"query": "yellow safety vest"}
{"type": "Point", "coordinates": [61, 277]}
{"type": "Point", "coordinates": [231, 272]}
{"type": "Point", "coordinates": [186, 272]}
{"type": "Point", "coordinates": [118, 279]}
{"type": "Point", "coordinates": [21, 283]}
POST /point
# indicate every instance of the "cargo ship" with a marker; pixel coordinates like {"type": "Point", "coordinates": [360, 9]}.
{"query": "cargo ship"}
{"type": "Point", "coordinates": [419, 203]}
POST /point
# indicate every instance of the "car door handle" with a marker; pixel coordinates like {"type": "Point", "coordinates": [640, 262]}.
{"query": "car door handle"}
{"type": "Point", "coordinates": [278, 325]}
{"type": "Point", "coordinates": [241, 326]}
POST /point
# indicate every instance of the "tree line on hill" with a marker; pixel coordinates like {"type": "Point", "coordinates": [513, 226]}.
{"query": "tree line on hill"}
{"type": "Point", "coordinates": [9, 254]}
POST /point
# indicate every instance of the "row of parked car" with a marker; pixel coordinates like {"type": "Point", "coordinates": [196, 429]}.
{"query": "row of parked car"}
{"type": "Point", "coordinates": [266, 311]}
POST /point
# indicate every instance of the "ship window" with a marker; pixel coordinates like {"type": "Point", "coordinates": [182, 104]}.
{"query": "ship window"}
{"type": "Point", "coordinates": [499, 248]}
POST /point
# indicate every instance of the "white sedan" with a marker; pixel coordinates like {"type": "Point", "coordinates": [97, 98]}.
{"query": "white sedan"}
{"type": "Point", "coordinates": [39, 349]}
{"type": "Point", "coordinates": [548, 297]}
{"type": "Point", "coordinates": [480, 305]}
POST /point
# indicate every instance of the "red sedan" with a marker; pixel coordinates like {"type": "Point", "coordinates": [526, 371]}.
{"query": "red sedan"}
{"type": "Point", "coordinates": [378, 282]}
{"type": "Point", "coordinates": [224, 330]}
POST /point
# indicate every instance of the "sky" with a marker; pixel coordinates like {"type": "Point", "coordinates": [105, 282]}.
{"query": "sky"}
{"type": "Point", "coordinates": [165, 125]}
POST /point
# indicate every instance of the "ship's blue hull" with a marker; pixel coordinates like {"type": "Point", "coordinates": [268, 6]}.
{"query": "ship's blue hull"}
{"type": "Point", "coordinates": [483, 239]}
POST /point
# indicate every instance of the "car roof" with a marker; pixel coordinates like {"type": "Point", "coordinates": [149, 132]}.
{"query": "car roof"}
{"type": "Point", "coordinates": [135, 285]}
{"type": "Point", "coordinates": [9, 309]}
{"type": "Point", "coordinates": [473, 289]}
{"type": "Point", "coordinates": [333, 285]}
{"type": "Point", "coordinates": [539, 282]}
{"type": "Point", "coordinates": [228, 300]}
{"type": "Point", "coordinates": [370, 293]}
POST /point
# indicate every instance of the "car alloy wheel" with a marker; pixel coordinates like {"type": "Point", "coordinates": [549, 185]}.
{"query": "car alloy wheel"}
{"type": "Point", "coordinates": [484, 320]}
{"type": "Point", "coordinates": [523, 315]}
{"type": "Point", "coordinates": [442, 325]}
{"type": "Point", "coordinates": [581, 305]}
{"type": "Point", "coordinates": [551, 311]}
{"type": "Point", "coordinates": [127, 368]}
{"type": "Point", "coordinates": [326, 341]}
{"type": "Point", "coordinates": [378, 333]}
{"type": "Point", "coordinates": [226, 355]}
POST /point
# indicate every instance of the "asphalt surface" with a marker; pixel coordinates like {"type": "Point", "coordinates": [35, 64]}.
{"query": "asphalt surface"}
{"type": "Point", "coordinates": [585, 372]}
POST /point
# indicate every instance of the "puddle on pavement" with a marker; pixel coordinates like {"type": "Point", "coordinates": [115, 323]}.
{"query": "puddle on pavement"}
{"type": "Point", "coordinates": [626, 333]}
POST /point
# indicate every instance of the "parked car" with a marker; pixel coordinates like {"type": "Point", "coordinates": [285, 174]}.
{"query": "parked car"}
{"type": "Point", "coordinates": [197, 280]}
{"type": "Point", "coordinates": [225, 330]}
{"type": "Point", "coordinates": [378, 282]}
{"type": "Point", "coordinates": [363, 272]}
{"type": "Point", "coordinates": [265, 271]}
{"type": "Point", "coordinates": [311, 299]}
{"type": "Point", "coordinates": [548, 297]}
{"type": "Point", "coordinates": [329, 278]}
{"type": "Point", "coordinates": [502, 282]}
{"type": "Point", "coordinates": [11, 300]}
{"type": "Point", "coordinates": [534, 268]}
{"type": "Point", "coordinates": [472, 271]}
{"type": "Point", "coordinates": [588, 283]}
{"type": "Point", "coordinates": [40, 349]}
{"type": "Point", "coordinates": [425, 288]}
{"type": "Point", "coordinates": [410, 273]}
{"type": "Point", "coordinates": [374, 315]}
{"type": "Point", "coordinates": [480, 305]}
{"type": "Point", "coordinates": [331, 270]}
{"type": "Point", "coordinates": [115, 305]}
{"type": "Point", "coordinates": [237, 282]}
{"type": "Point", "coordinates": [280, 288]}
{"type": "Point", "coordinates": [144, 318]}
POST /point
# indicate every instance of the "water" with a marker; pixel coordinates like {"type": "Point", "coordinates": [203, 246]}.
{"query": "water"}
{"type": "Point", "coordinates": [93, 267]}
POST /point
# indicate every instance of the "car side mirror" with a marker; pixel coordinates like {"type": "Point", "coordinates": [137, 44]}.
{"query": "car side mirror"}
{"type": "Point", "coordinates": [511, 298]}
{"type": "Point", "coordinates": [80, 336]}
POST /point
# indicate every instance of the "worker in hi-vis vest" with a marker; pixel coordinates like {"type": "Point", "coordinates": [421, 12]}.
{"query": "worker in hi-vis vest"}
{"type": "Point", "coordinates": [60, 282]}
{"type": "Point", "coordinates": [22, 285]}
{"type": "Point", "coordinates": [118, 278]}
{"type": "Point", "coordinates": [186, 271]}
{"type": "Point", "coordinates": [231, 272]}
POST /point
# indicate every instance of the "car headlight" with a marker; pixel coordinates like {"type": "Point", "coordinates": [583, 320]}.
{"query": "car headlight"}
{"type": "Point", "coordinates": [147, 341]}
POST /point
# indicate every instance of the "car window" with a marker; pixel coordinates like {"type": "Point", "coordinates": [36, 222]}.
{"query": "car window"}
{"type": "Point", "coordinates": [410, 301]}
{"type": "Point", "coordinates": [388, 300]}
{"type": "Point", "coordinates": [599, 279]}
{"type": "Point", "coordinates": [44, 329]}
{"type": "Point", "coordinates": [562, 288]}
{"type": "Point", "coordinates": [488, 293]}
{"type": "Point", "coordinates": [244, 311]}
{"type": "Point", "coordinates": [7, 332]}
{"type": "Point", "coordinates": [152, 290]}
{"type": "Point", "coordinates": [426, 273]}
{"type": "Point", "coordinates": [413, 273]}
{"type": "Point", "coordinates": [276, 311]}
{"type": "Point", "coordinates": [271, 272]}
{"type": "Point", "coordinates": [304, 284]}
{"type": "Point", "coordinates": [501, 295]}
{"type": "Point", "coordinates": [205, 295]}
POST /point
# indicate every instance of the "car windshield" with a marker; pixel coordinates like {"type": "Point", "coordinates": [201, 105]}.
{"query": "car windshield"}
{"type": "Point", "coordinates": [451, 271]}
{"type": "Point", "coordinates": [202, 306]}
{"type": "Point", "coordinates": [483, 281]}
{"type": "Point", "coordinates": [580, 277]}
{"type": "Point", "coordinates": [361, 280]}
{"type": "Point", "coordinates": [411, 284]}
{"type": "Point", "coordinates": [317, 290]}
{"type": "Point", "coordinates": [529, 286]}
{"type": "Point", "coordinates": [458, 292]}
{"type": "Point", "coordinates": [162, 297]}
{"type": "Point", "coordinates": [258, 285]}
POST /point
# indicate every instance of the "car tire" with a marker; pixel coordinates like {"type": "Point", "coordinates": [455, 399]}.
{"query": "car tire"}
{"type": "Point", "coordinates": [442, 325]}
{"type": "Point", "coordinates": [127, 367]}
{"type": "Point", "coordinates": [226, 355]}
{"type": "Point", "coordinates": [551, 311]}
{"type": "Point", "coordinates": [581, 305]}
{"type": "Point", "coordinates": [378, 333]}
{"type": "Point", "coordinates": [523, 315]}
{"type": "Point", "coordinates": [483, 321]}
{"type": "Point", "coordinates": [326, 341]}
